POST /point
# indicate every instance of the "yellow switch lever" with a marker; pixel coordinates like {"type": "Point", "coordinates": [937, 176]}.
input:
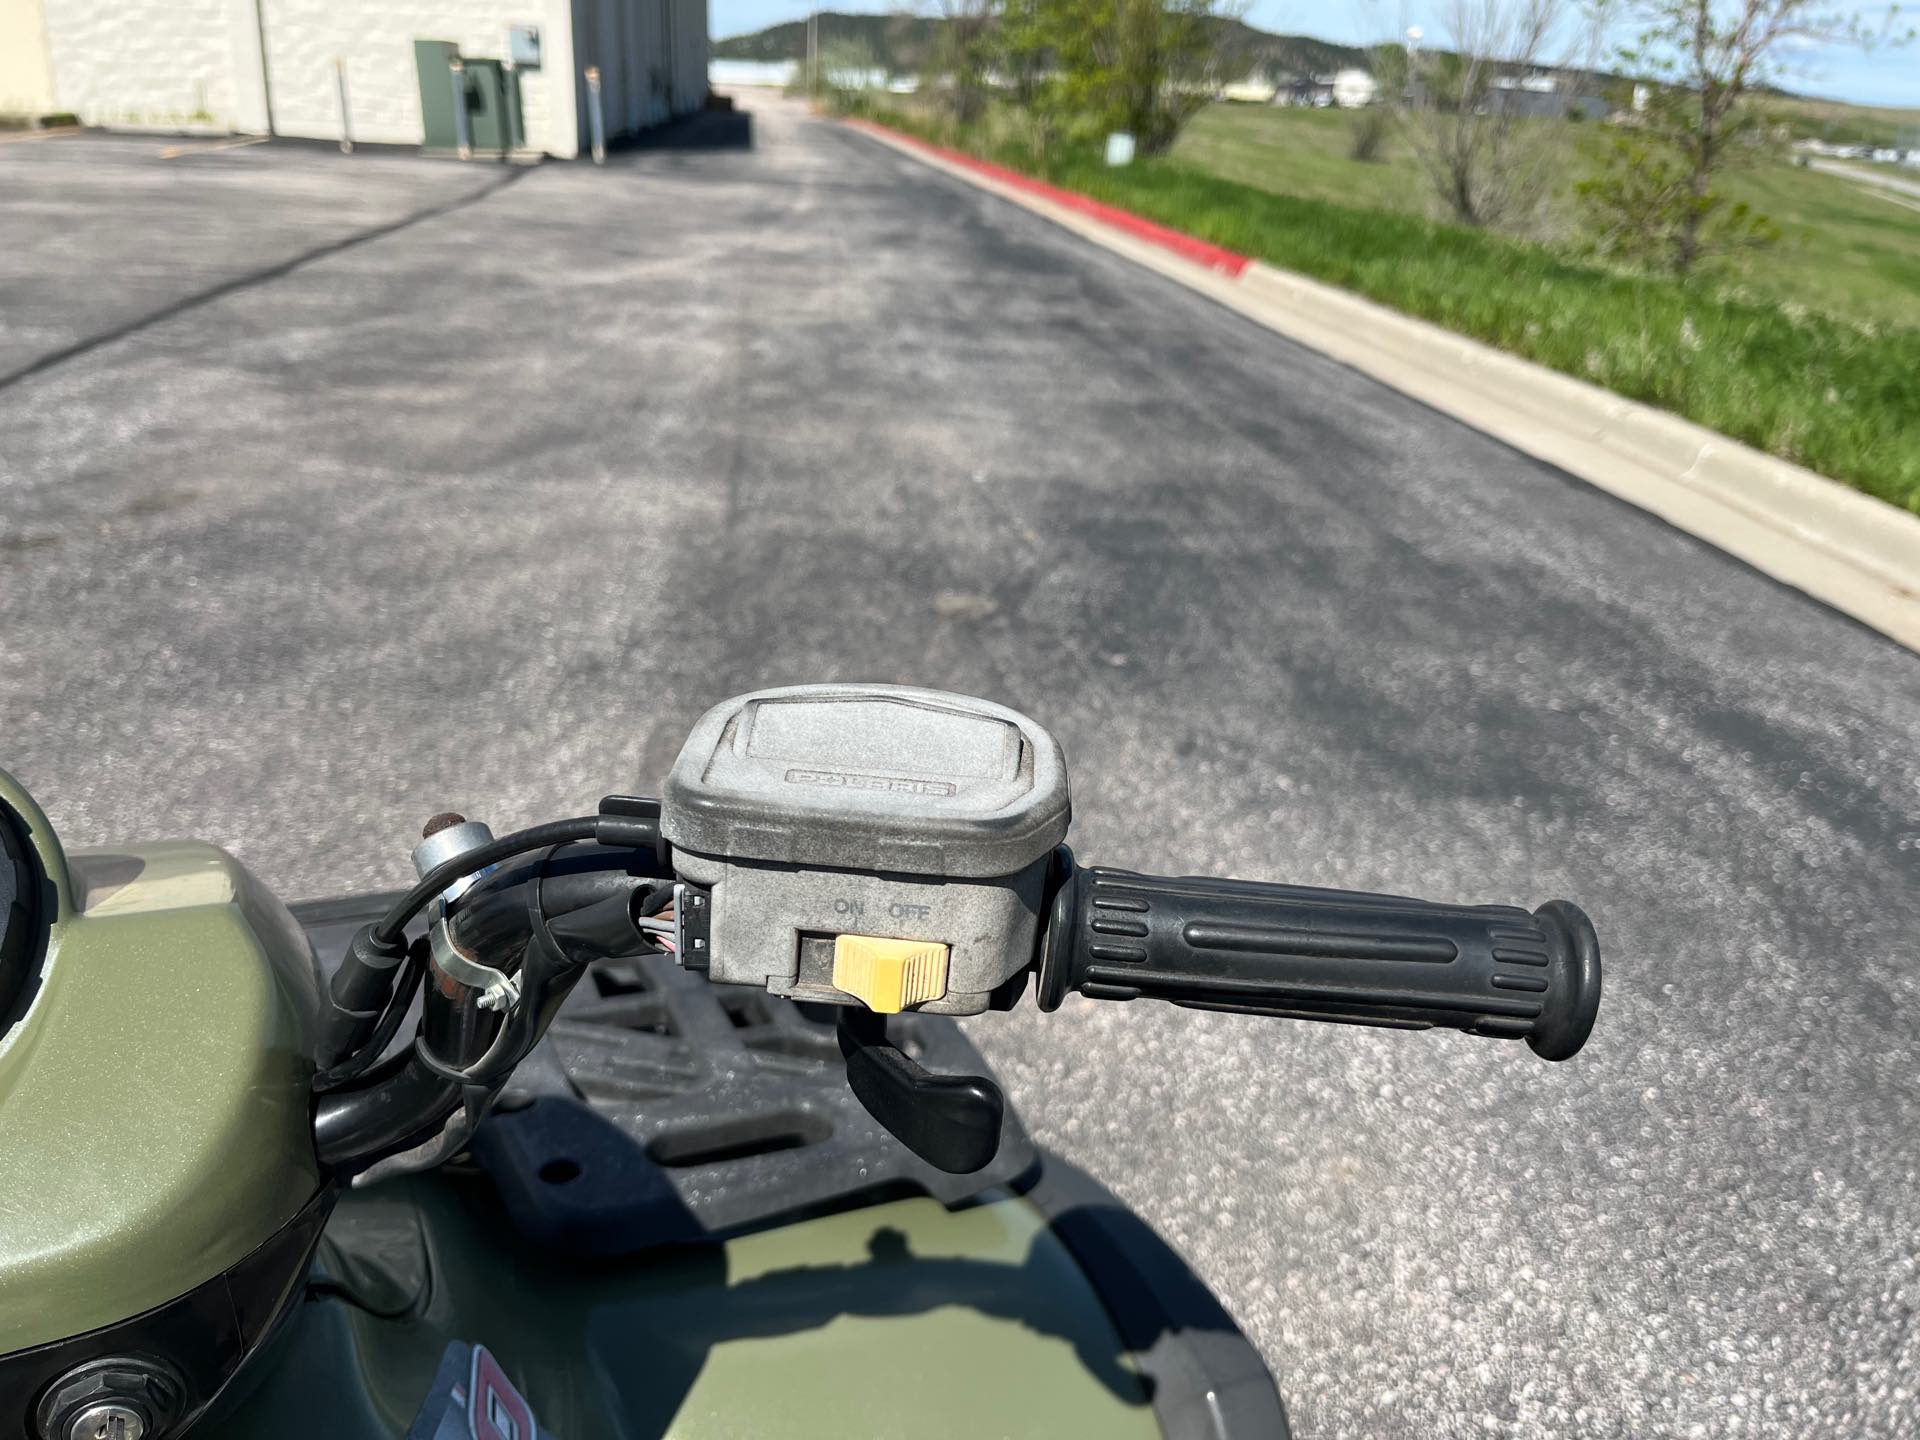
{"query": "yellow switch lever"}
{"type": "Point", "coordinates": [889, 975]}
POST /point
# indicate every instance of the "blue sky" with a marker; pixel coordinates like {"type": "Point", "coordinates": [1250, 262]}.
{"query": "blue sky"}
{"type": "Point", "coordinates": [1884, 78]}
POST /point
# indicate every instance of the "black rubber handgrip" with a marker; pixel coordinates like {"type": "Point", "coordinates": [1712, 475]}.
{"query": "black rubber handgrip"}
{"type": "Point", "coordinates": [1336, 955]}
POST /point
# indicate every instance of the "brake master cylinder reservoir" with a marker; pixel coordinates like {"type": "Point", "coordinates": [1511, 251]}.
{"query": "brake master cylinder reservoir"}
{"type": "Point", "coordinates": [866, 843]}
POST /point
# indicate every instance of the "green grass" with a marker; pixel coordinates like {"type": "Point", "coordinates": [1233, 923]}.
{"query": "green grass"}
{"type": "Point", "coordinates": [1841, 250]}
{"type": "Point", "coordinates": [1843, 124]}
{"type": "Point", "coordinates": [1823, 390]}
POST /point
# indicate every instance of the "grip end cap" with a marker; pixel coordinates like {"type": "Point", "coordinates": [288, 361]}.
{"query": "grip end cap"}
{"type": "Point", "coordinates": [1576, 982]}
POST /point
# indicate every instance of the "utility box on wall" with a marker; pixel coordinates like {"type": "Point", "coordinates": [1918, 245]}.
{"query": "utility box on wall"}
{"type": "Point", "coordinates": [491, 121]}
{"type": "Point", "coordinates": [485, 88]}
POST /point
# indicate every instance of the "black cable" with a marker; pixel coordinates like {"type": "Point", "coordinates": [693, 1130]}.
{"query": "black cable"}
{"type": "Point", "coordinates": [555, 832]}
{"type": "Point", "coordinates": [398, 1003]}
{"type": "Point", "coordinates": [520, 1029]}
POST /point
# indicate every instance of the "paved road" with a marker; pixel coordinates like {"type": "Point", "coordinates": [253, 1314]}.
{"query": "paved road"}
{"type": "Point", "coordinates": [1862, 175]}
{"type": "Point", "coordinates": [484, 511]}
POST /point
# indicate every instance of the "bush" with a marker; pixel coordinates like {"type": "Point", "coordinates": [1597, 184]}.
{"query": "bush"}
{"type": "Point", "coordinates": [1144, 67]}
{"type": "Point", "coordinates": [1367, 132]}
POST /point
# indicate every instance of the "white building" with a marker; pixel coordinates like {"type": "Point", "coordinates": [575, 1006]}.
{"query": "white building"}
{"type": "Point", "coordinates": [275, 66]}
{"type": "Point", "coordinates": [1354, 88]}
{"type": "Point", "coordinates": [1255, 89]}
{"type": "Point", "coordinates": [1551, 96]}
{"type": "Point", "coordinates": [26, 79]}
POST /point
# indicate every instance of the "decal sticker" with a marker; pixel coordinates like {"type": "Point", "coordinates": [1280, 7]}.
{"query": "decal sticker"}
{"type": "Point", "coordinates": [471, 1398]}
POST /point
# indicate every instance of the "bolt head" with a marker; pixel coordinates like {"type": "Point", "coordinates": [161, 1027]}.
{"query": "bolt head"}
{"type": "Point", "coordinates": [112, 1397]}
{"type": "Point", "coordinates": [107, 1421]}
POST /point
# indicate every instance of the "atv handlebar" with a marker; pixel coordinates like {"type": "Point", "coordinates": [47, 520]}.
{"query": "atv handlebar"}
{"type": "Point", "coordinates": [1334, 955]}
{"type": "Point", "coordinates": [501, 955]}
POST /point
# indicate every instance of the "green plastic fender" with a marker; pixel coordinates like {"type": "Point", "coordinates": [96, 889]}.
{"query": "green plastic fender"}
{"type": "Point", "coordinates": [154, 1095]}
{"type": "Point", "coordinates": [897, 1319]}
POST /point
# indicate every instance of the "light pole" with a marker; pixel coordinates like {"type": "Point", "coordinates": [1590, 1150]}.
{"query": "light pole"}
{"type": "Point", "coordinates": [462, 125]}
{"type": "Point", "coordinates": [346, 115]}
{"type": "Point", "coordinates": [596, 117]}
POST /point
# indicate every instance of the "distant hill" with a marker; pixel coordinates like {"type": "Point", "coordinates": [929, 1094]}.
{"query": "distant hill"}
{"type": "Point", "coordinates": [902, 43]}
{"type": "Point", "coordinates": [1295, 54]}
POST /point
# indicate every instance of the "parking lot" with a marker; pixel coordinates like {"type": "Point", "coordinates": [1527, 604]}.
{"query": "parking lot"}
{"type": "Point", "coordinates": [335, 492]}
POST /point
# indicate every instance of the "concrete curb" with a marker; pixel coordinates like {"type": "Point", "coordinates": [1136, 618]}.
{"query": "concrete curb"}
{"type": "Point", "coordinates": [1855, 553]}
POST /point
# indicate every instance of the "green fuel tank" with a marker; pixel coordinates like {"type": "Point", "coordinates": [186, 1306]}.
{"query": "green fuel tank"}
{"type": "Point", "coordinates": [157, 1014]}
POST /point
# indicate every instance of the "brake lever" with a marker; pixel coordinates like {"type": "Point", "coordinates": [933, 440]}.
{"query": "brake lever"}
{"type": "Point", "coordinates": [950, 1121]}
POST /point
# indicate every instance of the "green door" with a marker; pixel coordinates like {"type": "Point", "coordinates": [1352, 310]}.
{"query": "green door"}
{"type": "Point", "coordinates": [433, 60]}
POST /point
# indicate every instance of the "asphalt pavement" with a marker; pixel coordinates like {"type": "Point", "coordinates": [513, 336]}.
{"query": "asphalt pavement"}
{"type": "Point", "coordinates": [379, 495]}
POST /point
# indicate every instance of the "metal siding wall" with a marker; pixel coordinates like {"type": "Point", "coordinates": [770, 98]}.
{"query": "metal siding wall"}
{"type": "Point", "coordinates": [606, 48]}
{"type": "Point", "coordinates": [641, 26]}
{"type": "Point", "coordinates": [666, 88]}
{"type": "Point", "coordinates": [652, 39]}
{"type": "Point", "coordinates": [632, 96]}
{"type": "Point", "coordinates": [665, 96]}
{"type": "Point", "coordinates": [652, 56]}
{"type": "Point", "coordinates": [691, 59]}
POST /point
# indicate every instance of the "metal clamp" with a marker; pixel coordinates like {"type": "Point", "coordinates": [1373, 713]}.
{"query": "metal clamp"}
{"type": "Point", "coordinates": [498, 990]}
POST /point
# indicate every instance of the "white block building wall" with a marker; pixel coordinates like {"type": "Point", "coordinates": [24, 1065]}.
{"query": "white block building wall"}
{"type": "Point", "coordinates": [375, 38]}
{"type": "Point", "coordinates": [176, 62]}
{"type": "Point", "coordinates": [156, 62]}
{"type": "Point", "coordinates": [26, 79]}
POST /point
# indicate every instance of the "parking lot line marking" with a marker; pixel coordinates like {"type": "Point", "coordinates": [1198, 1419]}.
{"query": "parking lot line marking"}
{"type": "Point", "coordinates": [262, 276]}
{"type": "Point", "coordinates": [24, 136]}
{"type": "Point", "coordinates": [174, 152]}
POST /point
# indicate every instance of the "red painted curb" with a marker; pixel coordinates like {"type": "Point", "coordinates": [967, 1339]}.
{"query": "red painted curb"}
{"type": "Point", "coordinates": [1214, 257]}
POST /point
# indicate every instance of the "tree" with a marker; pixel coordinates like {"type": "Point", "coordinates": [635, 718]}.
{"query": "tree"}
{"type": "Point", "coordinates": [1023, 42]}
{"type": "Point", "coordinates": [909, 44]}
{"type": "Point", "coordinates": [1142, 66]}
{"type": "Point", "coordinates": [1657, 196]}
{"type": "Point", "coordinates": [1489, 163]}
{"type": "Point", "coordinates": [1023, 57]}
{"type": "Point", "coordinates": [962, 56]}
{"type": "Point", "coordinates": [1652, 200]}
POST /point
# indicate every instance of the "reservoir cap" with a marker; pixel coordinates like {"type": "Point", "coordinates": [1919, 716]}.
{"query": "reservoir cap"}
{"type": "Point", "coordinates": [869, 777]}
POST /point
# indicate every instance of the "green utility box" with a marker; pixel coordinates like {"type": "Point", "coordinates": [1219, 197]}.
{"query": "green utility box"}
{"type": "Point", "coordinates": [491, 94]}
